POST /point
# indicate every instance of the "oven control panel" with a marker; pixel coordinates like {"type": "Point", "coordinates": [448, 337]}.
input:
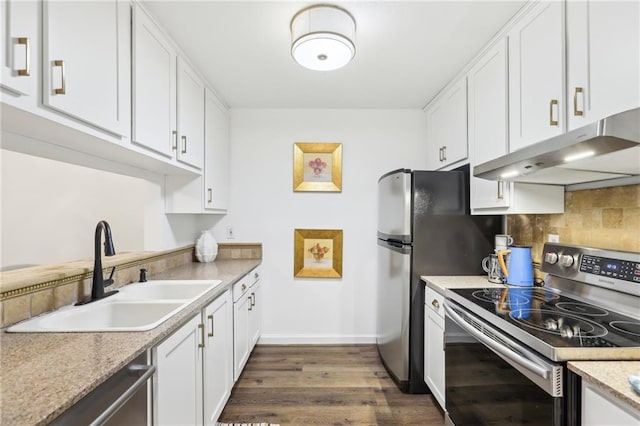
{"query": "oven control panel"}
{"type": "Point", "coordinates": [616, 270]}
{"type": "Point", "coordinates": [607, 267]}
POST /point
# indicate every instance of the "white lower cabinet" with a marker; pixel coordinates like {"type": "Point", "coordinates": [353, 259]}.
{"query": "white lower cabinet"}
{"type": "Point", "coordinates": [254, 315]}
{"type": "Point", "coordinates": [434, 345]}
{"type": "Point", "coordinates": [217, 371]}
{"type": "Point", "coordinates": [246, 319]}
{"type": "Point", "coordinates": [177, 396]}
{"type": "Point", "coordinates": [600, 409]}
{"type": "Point", "coordinates": [194, 368]}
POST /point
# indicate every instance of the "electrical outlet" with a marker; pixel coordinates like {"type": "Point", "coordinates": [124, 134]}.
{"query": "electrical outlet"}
{"type": "Point", "coordinates": [554, 238]}
{"type": "Point", "coordinates": [230, 234]}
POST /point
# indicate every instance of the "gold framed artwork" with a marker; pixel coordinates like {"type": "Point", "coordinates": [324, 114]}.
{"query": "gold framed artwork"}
{"type": "Point", "coordinates": [317, 167]}
{"type": "Point", "coordinates": [317, 253]}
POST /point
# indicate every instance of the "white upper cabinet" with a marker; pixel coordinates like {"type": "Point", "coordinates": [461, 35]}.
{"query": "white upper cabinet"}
{"type": "Point", "coordinates": [86, 62]}
{"type": "Point", "coordinates": [154, 87]}
{"type": "Point", "coordinates": [536, 75]}
{"type": "Point", "coordinates": [488, 124]}
{"type": "Point", "coordinates": [190, 116]}
{"type": "Point", "coordinates": [216, 154]}
{"type": "Point", "coordinates": [19, 44]}
{"type": "Point", "coordinates": [447, 127]}
{"type": "Point", "coordinates": [209, 192]}
{"type": "Point", "coordinates": [603, 59]}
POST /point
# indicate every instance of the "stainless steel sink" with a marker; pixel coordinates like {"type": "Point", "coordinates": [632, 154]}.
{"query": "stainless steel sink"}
{"type": "Point", "coordinates": [136, 307]}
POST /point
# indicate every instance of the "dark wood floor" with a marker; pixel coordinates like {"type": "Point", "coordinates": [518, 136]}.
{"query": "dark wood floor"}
{"type": "Point", "coordinates": [324, 385]}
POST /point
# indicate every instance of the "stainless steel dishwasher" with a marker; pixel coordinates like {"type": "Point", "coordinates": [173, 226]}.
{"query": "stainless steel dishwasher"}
{"type": "Point", "coordinates": [120, 400]}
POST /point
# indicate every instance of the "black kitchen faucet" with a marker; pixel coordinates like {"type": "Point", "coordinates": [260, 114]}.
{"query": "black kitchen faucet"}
{"type": "Point", "coordinates": [99, 283]}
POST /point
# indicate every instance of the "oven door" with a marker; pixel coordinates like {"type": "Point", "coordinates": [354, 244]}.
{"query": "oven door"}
{"type": "Point", "coordinates": [490, 379]}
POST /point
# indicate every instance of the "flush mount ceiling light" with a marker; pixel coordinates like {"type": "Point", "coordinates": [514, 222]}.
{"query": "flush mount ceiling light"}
{"type": "Point", "coordinates": [322, 37]}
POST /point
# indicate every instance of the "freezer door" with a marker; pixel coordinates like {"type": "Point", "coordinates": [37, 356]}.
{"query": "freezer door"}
{"type": "Point", "coordinates": [394, 275]}
{"type": "Point", "coordinates": [394, 206]}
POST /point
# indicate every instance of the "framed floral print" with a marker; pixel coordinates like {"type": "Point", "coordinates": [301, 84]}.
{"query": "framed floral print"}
{"type": "Point", "coordinates": [317, 253]}
{"type": "Point", "coordinates": [317, 167]}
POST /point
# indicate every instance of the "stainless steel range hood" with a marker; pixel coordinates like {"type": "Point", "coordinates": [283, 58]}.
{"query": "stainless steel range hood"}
{"type": "Point", "coordinates": [603, 150]}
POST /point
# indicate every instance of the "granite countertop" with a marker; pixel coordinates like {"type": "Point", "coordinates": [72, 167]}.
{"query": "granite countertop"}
{"type": "Point", "coordinates": [441, 283]}
{"type": "Point", "coordinates": [43, 374]}
{"type": "Point", "coordinates": [610, 376]}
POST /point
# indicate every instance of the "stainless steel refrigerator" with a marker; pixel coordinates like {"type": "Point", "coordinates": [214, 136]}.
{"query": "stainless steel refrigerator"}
{"type": "Point", "coordinates": [424, 228]}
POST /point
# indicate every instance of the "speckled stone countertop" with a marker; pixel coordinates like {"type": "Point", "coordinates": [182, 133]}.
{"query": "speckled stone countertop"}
{"type": "Point", "coordinates": [610, 376]}
{"type": "Point", "coordinates": [43, 374]}
{"type": "Point", "coordinates": [441, 283]}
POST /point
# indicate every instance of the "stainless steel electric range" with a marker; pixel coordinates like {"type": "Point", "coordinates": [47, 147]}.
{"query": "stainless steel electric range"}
{"type": "Point", "coordinates": [506, 363]}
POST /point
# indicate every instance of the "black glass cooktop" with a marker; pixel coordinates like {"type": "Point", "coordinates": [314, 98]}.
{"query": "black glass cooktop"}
{"type": "Point", "coordinates": [557, 320]}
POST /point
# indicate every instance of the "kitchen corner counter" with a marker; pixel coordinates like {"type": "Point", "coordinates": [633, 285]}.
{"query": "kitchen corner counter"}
{"type": "Point", "coordinates": [43, 374]}
{"type": "Point", "coordinates": [611, 377]}
{"type": "Point", "coordinates": [441, 283]}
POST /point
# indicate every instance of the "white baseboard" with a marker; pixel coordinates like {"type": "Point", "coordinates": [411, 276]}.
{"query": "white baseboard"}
{"type": "Point", "coordinates": [279, 339]}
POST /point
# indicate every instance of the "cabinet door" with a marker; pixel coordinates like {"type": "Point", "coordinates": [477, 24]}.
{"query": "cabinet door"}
{"type": "Point", "coordinates": [434, 355]}
{"type": "Point", "coordinates": [154, 87]}
{"type": "Point", "coordinates": [603, 59]}
{"type": "Point", "coordinates": [240, 334]}
{"type": "Point", "coordinates": [216, 154]}
{"type": "Point", "coordinates": [19, 44]}
{"type": "Point", "coordinates": [447, 127]}
{"type": "Point", "coordinates": [536, 76]}
{"type": "Point", "coordinates": [600, 409]}
{"type": "Point", "coordinates": [178, 384]}
{"type": "Point", "coordinates": [254, 315]}
{"type": "Point", "coordinates": [218, 358]}
{"type": "Point", "coordinates": [85, 73]}
{"type": "Point", "coordinates": [190, 116]}
{"type": "Point", "coordinates": [488, 124]}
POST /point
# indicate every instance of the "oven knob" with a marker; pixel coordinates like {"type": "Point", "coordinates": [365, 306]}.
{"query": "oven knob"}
{"type": "Point", "coordinates": [551, 257]}
{"type": "Point", "coordinates": [566, 260]}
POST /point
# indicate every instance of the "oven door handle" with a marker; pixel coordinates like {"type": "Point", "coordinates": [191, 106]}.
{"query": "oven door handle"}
{"type": "Point", "coordinates": [503, 350]}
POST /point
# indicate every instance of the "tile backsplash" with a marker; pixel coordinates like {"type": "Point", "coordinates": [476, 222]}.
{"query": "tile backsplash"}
{"type": "Point", "coordinates": [603, 218]}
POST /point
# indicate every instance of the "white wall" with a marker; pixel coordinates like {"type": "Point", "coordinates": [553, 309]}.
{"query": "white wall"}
{"type": "Point", "coordinates": [49, 211]}
{"type": "Point", "coordinates": [265, 209]}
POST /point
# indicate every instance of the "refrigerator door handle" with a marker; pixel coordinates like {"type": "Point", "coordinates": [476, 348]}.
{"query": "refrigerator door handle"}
{"type": "Point", "coordinates": [395, 246]}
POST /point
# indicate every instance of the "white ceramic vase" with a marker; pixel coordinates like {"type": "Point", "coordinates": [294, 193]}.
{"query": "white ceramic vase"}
{"type": "Point", "coordinates": [206, 247]}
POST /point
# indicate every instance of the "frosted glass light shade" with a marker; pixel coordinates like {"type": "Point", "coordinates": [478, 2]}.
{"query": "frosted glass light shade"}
{"type": "Point", "coordinates": [322, 37]}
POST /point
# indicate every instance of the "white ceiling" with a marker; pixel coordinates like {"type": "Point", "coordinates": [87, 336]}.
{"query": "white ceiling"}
{"type": "Point", "coordinates": [406, 51]}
